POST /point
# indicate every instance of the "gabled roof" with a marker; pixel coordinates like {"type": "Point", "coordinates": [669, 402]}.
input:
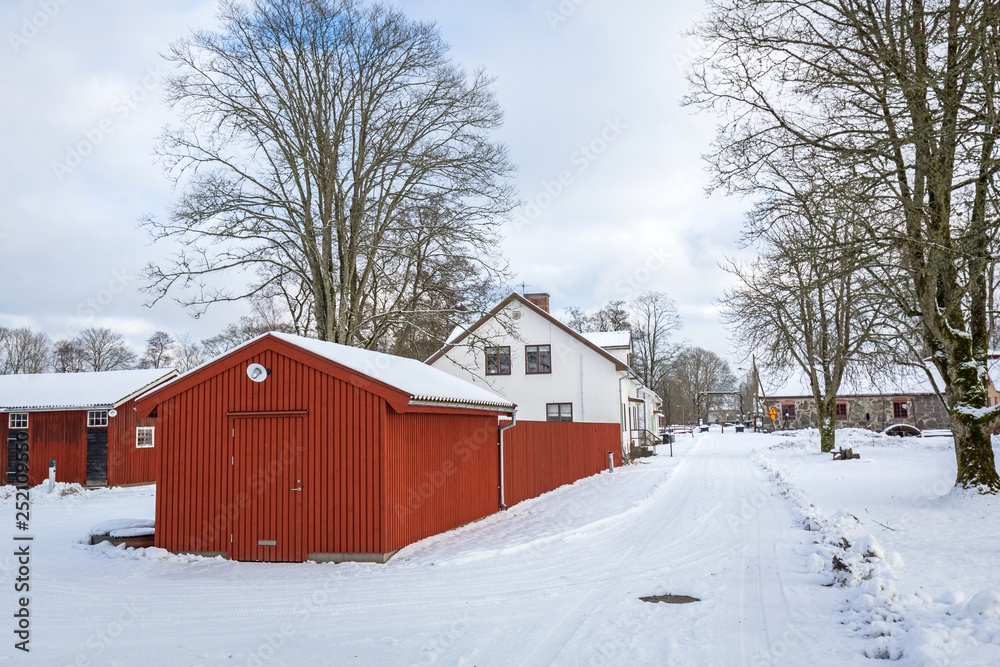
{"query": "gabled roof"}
{"type": "Point", "coordinates": [619, 365]}
{"type": "Point", "coordinates": [609, 339]}
{"type": "Point", "coordinates": [421, 384]}
{"type": "Point", "coordinates": [77, 391]}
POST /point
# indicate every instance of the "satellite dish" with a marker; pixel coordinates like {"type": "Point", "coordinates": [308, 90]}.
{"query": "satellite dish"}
{"type": "Point", "coordinates": [112, 413]}
{"type": "Point", "coordinates": [256, 372]}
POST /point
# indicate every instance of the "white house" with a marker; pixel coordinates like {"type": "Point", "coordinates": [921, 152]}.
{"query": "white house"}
{"type": "Point", "coordinates": [553, 373]}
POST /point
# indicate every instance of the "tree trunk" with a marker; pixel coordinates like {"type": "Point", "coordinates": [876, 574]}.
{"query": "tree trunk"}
{"type": "Point", "coordinates": [827, 425]}
{"type": "Point", "coordinates": [974, 452]}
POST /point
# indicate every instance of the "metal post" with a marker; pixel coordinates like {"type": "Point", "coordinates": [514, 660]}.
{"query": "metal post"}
{"type": "Point", "coordinates": [611, 462]}
{"type": "Point", "coordinates": [52, 474]}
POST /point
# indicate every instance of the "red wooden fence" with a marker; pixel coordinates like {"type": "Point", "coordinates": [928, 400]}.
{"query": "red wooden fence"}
{"type": "Point", "coordinates": [542, 456]}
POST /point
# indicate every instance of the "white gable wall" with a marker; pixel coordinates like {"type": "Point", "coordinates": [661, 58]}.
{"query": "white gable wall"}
{"type": "Point", "coordinates": [580, 375]}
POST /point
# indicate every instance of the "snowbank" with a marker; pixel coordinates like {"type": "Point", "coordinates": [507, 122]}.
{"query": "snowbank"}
{"type": "Point", "coordinates": [124, 528]}
{"type": "Point", "coordinates": [927, 630]}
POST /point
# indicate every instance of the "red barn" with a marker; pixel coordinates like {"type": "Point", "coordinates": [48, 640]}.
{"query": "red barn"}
{"type": "Point", "coordinates": [288, 448]}
{"type": "Point", "coordinates": [86, 422]}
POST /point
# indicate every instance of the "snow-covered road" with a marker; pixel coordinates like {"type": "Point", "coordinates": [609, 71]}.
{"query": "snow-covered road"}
{"type": "Point", "coordinates": [554, 581]}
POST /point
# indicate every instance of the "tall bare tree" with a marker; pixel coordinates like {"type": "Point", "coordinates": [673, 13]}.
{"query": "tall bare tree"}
{"type": "Point", "coordinates": [804, 306]}
{"type": "Point", "coordinates": [332, 153]}
{"type": "Point", "coordinates": [695, 371]}
{"type": "Point", "coordinates": [901, 97]}
{"type": "Point", "coordinates": [159, 351]}
{"type": "Point", "coordinates": [23, 351]}
{"type": "Point", "coordinates": [67, 357]}
{"type": "Point", "coordinates": [102, 349]}
{"type": "Point", "coordinates": [654, 320]}
{"type": "Point", "coordinates": [188, 353]}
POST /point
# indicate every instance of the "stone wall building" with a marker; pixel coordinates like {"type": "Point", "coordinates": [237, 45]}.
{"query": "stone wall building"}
{"type": "Point", "coordinates": [909, 398]}
{"type": "Point", "coordinates": [876, 412]}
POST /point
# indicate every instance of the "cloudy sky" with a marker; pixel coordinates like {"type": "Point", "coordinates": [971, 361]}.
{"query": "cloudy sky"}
{"type": "Point", "coordinates": [590, 89]}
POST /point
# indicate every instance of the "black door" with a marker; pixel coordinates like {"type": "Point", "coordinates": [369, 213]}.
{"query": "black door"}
{"type": "Point", "coordinates": [97, 456]}
{"type": "Point", "coordinates": [12, 456]}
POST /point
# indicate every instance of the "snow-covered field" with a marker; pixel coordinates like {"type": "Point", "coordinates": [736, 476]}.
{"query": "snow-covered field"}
{"type": "Point", "coordinates": [557, 580]}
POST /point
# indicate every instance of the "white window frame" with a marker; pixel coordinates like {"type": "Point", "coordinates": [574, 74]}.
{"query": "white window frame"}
{"type": "Point", "coordinates": [152, 436]}
{"type": "Point", "coordinates": [18, 420]}
{"type": "Point", "coordinates": [94, 418]}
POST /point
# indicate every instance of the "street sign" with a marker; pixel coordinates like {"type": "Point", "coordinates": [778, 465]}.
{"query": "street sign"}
{"type": "Point", "coordinates": [773, 412]}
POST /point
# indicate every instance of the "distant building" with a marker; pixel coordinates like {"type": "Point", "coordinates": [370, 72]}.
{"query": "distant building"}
{"type": "Point", "coordinates": [910, 397]}
{"type": "Point", "coordinates": [85, 422]}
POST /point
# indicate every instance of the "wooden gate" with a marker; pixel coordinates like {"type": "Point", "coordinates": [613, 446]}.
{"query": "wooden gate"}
{"type": "Point", "coordinates": [97, 456]}
{"type": "Point", "coordinates": [267, 487]}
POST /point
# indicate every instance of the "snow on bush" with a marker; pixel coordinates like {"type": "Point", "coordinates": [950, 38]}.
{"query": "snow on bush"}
{"type": "Point", "coordinates": [930, 632]}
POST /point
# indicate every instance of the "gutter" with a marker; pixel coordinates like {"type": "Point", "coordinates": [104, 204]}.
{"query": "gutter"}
{"type": "Point", "coordinates": [513, 421]}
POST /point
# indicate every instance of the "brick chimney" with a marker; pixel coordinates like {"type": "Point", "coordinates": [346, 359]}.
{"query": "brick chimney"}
{"type": "Point", "coordinates": [541, 300]}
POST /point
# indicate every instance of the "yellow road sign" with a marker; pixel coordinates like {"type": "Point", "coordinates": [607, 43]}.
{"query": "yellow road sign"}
{"type": "Point", "coordinates": [773, 412]}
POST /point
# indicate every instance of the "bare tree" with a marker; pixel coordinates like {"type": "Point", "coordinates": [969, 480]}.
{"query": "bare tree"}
{"type": "Point", "coordinates": [612, 316]}
{"type": "Point", "coordinates": [900, 96]}
{"type": "Point", "coordinates": [265, 317]}
{"type": "Point", "coordinates": [67, 357]}
{"type": "Point", "coordinates": [654, 319]}
{"type": "Point", "coordinates": [188, 354]}
{"type": "Point", "coordinates": [23, 351]}
{"type": "Point", "coordinates": [102, 349]}
{"type": "Point", "coordinates": [331, 149]}
{"type": "Point", "coordinates": [694, 371]}
{"type": "Point", "coordinates": [159, 351]}
{"type": "Point", "coordinates": [801, 306]}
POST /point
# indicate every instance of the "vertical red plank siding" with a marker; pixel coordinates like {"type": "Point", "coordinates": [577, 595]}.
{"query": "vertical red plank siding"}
{"type": "Point", "coordinates": [542, 456]}
{"type": "Point", "coordinates": [443, 471]}
{"type": "Point", "coordinates": [128, 464]}
{"type": "Point", "coordinates": [334, 448]}
{"type": "Point", "coordinates": [61, 436]}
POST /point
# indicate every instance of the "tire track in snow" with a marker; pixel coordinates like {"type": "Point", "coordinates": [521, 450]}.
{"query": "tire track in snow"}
{"type": "Point", "coordinates": [687, 523]}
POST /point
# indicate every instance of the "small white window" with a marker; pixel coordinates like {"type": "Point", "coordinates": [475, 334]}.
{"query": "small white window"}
{"type": "Point", "coordinates": [18, 420]}
{"type": "Point", "coordinates": [97, 418]}
{"type": "Point", "coordinates": [144, 436]}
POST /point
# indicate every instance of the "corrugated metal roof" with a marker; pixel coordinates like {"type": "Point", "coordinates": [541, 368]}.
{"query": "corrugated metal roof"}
{"type": "Point", "coordinates": [609, 339]}
{"type": "Point", "coordinates": [76, 391]}
{"type": "Point", "coordinates": [423, 383]}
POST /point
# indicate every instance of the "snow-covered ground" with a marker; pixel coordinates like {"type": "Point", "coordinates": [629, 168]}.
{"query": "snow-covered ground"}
{"type": "Point", "coordinates": [557, 580]}
{"type": "Point", "coordinates": [930, 594]}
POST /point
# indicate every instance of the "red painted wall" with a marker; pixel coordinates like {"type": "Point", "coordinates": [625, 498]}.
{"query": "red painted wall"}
{"type": "Point", "coordinates": [214, 484]}
{"type": "Point", "coordinates": [128, 464]}
{"type": "Point", "coordinates": [542, 456]}
{"type": "Point", "coordinates": [61, 436]}
{"type": "Point", "coordinates": [443, 471]}
{"type": "Point", "coordinates": [375, 474]}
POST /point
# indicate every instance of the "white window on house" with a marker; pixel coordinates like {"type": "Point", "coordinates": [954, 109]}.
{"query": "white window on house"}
{"type": "Point", "coordinates": [144, 436]}
{"type": "Point", "coordinates": [97, 418]}
{"type": "Point", "coordinates": [17, 420]}
{"type": "Point", "coordinates": [559, 412]}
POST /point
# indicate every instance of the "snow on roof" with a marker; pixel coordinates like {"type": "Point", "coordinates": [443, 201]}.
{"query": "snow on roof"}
{"type": "Point", "coordinates": [65, 391]}
{"type": "Point", "coordinates": [607, 339]}
{"type": "Point", "coordinates": [905, 381]}
{"type": "Point", "coordinates": [422, 382]}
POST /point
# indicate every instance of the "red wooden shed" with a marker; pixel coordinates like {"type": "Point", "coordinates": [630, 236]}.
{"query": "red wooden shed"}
{"type": "Point", "coordinates": [288, 448]}
{"type": "Point", "coordinates": [86, 422]}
